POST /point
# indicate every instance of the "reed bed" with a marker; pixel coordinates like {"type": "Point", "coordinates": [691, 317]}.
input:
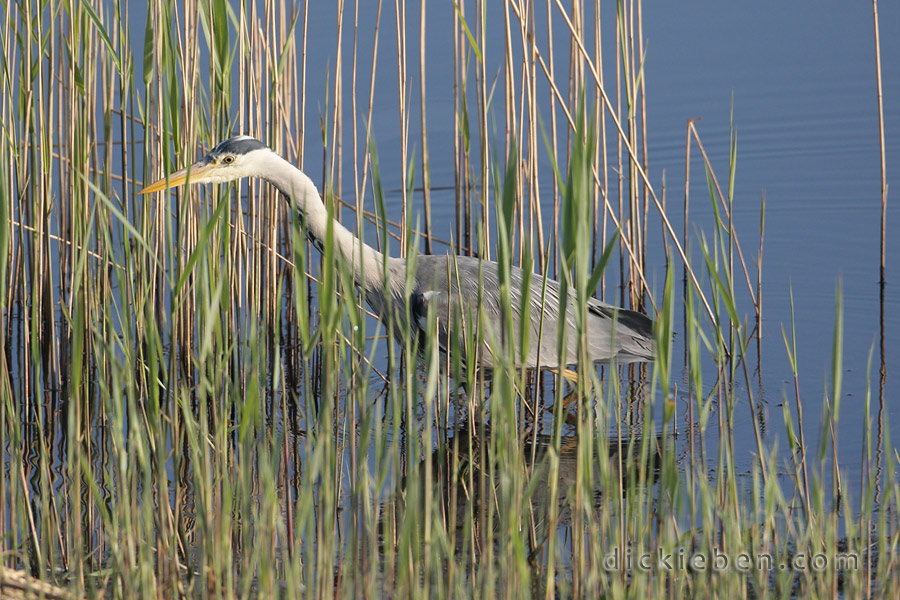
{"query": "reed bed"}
{"type": "Point", "coordinates": [194, 403]}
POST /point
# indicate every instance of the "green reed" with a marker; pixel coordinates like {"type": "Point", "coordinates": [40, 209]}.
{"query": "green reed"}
{"type": "Point", "coordinates": [195, 404]}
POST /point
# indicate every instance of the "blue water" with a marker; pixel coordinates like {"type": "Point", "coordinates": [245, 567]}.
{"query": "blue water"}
{"type": "Point", "coordinates": [802, 78]}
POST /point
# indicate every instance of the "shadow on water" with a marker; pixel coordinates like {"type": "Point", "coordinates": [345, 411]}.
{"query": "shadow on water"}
{"type": "Point", "coordinates": [464, 478]}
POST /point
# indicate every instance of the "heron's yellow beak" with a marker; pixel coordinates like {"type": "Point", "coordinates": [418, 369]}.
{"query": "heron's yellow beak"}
{"type": "Point", "coordinates": [193, 173]}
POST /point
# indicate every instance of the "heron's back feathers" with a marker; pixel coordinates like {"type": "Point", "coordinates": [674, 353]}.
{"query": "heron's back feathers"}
{"type": "Point", "coordinates": [455, 290]}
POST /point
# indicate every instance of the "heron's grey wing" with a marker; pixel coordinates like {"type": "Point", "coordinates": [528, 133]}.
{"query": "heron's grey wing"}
{"type": "Point", "coordinates": [633, 331]}
{"type": "Point", "coordinates": [454, 291]}
{"type": "Point", "coordinates": [464, 292]}
{"type": "Point", "coordinates": [459, 291]}
{"type": "Point", "coordinates": [614, 334]}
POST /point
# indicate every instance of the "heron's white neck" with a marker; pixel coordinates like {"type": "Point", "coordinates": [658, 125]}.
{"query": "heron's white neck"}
{"type": "Point", "coordinates": [367, 263]}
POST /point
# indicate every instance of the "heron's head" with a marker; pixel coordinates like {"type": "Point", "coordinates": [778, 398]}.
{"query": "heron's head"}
{"type": "Point", "coordinates": [232, 159]}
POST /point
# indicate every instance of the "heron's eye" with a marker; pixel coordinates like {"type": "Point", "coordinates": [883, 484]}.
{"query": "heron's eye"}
{"type": "Point", "coordinates": [228, 160]}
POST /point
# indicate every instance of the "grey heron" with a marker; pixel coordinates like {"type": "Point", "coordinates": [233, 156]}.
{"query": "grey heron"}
{"type": "Point", "coordinates": [453, 286]}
